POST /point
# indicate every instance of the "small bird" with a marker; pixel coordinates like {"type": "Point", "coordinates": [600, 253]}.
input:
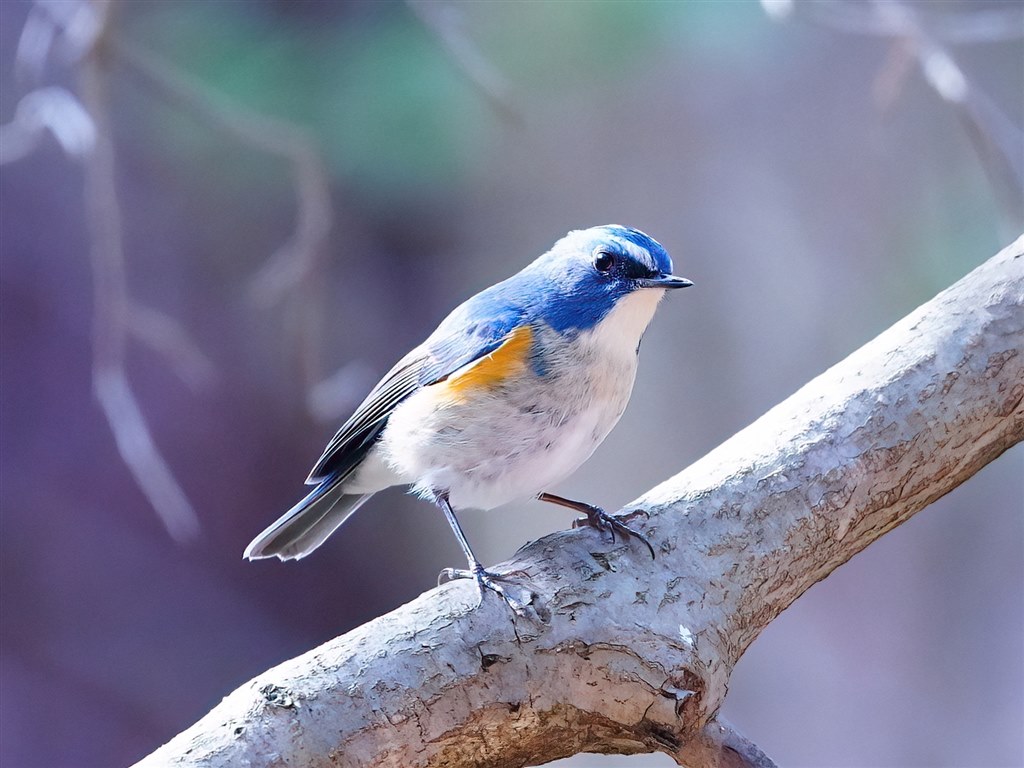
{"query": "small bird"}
{"type": "Point", "coordinates": [511, 394]}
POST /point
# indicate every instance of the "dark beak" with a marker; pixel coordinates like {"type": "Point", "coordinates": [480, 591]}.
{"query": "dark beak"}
{"type": "Point", "coordinates": [665, 281]}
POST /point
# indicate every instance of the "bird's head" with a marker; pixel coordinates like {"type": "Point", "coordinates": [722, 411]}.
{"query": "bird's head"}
{"type": "Point", "coordinates": [590, 272]}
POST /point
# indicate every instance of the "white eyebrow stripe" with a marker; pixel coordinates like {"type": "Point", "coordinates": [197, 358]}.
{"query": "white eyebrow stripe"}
{"type": "Point", "coordinates": [637, 252]}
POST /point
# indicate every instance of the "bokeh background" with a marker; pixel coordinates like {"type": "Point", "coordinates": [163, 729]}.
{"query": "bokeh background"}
{"type": "Point", "coordinates": [797, 166]}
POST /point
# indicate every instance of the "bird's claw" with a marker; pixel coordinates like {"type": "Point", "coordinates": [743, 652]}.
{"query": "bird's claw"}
{"type": "Point", "coordinates": [485, 580]}
{"type": "Point", "coordinates": [605, 523]}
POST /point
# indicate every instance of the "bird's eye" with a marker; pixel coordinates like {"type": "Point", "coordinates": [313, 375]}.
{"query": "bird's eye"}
{"type": "Point", "coordinates": [603, 262]}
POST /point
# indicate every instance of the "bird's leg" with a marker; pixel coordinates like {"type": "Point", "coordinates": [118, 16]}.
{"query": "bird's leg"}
{"type": "Point", "coordinates": [597, 518]}
{"type": "Point", "coordinates": [484, 579]}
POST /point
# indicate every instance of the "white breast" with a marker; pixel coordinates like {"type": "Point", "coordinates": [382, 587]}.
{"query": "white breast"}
{"type": "Point", "coordinates": [531, 433]}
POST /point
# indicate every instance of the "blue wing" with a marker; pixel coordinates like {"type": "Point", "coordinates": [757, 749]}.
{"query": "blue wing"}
{"type": "Point", "coordinates": [474, 329]}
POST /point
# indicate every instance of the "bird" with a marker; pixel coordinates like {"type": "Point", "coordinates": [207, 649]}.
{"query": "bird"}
{"type": "Point", "coordinates": [512, 392]}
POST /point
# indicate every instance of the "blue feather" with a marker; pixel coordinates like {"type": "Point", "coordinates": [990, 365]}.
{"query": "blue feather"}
{"type": "Point", "coordinates": [561, 289]}
{"type": "Point", "coordinates": [661, 258]}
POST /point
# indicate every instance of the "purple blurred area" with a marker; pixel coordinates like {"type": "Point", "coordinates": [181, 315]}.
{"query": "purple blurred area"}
{"type": "Point", "coordinates": [813, 191]}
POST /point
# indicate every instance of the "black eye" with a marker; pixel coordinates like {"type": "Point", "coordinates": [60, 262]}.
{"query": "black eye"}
{"type": "Point", "coordinates": [604, 261]}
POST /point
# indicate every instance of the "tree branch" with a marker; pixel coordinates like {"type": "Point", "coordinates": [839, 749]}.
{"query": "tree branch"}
{"type": "Point", "coordinates": [111, 385]}
{"type": "Point", "coordinates": [624, 655]}
{"type": "Point", "coordinates": [926, 38]}
{"type": "Point", "coordinates": [293, 271]}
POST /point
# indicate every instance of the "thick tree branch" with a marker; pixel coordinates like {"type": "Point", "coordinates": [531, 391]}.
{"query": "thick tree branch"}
{"type": "Point", "coordinates": [627, 655]}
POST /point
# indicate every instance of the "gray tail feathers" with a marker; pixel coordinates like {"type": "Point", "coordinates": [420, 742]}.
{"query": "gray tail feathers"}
{"type": "Point", "coordinates": [305, 526]}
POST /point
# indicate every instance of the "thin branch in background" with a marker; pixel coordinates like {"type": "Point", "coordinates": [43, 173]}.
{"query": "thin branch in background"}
{"type": "Point", "coordinates": [83, 132]}
{"type": "Point", "coordinates": [997, 141]}
{"type": "Point", "coordinates": [165, 335]}
{"type": "Point", "coordinates": [51, 109]}
{"type": "Point", "coordinates": [293, 269]}
{"type": "Point", "coordinates": [68, 28]}
{"type": "Point", "coordinates": [111, 311]}
{"type": "Point", "coordinates": [54, 26]}
{"type": "Point", "coordinates": [81, 33]}
{"type": "Point", "coordinates": [963, 28]}
{"type": "Point", "coordinates": [923, 38]}
{"type": "Point", "coordinates": [301, 254]}
{"type": "Point", "coordinates": [140, 454]}
{"type": "Point", "coordinates": [445, 22]}
{"type": "Point", "coordinates": [34, 44]}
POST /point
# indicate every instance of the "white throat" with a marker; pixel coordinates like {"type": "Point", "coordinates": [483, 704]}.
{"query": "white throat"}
{"type": "Point", "coordinates": [621, 329]}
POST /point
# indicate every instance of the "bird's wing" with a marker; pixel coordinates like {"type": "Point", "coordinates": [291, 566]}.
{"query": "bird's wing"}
{"type": "Point", "coordinates": [350, 443]}
{"type": "Point", "coordinates": [456, 344]}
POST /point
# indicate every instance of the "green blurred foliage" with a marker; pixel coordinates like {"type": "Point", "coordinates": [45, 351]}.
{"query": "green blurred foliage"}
{"type": "Point", "coordinates": [387, 107]}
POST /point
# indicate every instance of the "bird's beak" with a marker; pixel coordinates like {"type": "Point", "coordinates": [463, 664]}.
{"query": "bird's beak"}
{"type": "Point", "coordinates": [665, 281]}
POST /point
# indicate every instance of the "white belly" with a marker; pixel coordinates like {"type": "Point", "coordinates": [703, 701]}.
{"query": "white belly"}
{"type": "Point", "coordinates": [523, 436]}
{"type": "Point", "coordinates": [515, 444]}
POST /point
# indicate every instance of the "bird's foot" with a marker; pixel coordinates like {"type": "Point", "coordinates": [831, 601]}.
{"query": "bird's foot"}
{"type": "Point", "coordinates": [605, 523]}
{"type": "Point", "coordinates": [485, 580]}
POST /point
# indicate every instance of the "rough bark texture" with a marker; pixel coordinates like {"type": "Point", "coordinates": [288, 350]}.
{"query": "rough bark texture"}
{"type": "Point", "coordinates": [627, 655]}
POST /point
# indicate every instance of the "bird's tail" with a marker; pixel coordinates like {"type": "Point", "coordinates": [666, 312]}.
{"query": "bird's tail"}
{"type": "Point", "coordinates": [305, 526]}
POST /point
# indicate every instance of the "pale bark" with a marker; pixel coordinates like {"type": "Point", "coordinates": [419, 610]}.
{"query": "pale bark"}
{"type": "Point", "coordinates": [627, 655]}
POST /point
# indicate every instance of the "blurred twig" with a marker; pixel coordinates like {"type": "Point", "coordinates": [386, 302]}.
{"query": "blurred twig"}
{"type": "Point", "coordinates": [80, 31]}
{"type": "Point", "coordinates": [82, 128]}
{"type": "Point", "coordinates": [872, 18]}
{"type": "Point", "coordinates": [111, 311]}
{"type": "Point", "coordinates": [292, 270]}
{"type": "Point", "coordinates": [289, 265]}
{"type": "Point", "coordinates": [444, 21]}
{"type": "Point", "coordinates": [924, 38]}
{"type": "Point", "coordinates": [51, 109]}
{"type": "Point", "coordinates": [65, 27]}
{"type": "Point", "coordinates": [165, 335]}
{"type": "Point", "coordinates": [71, 28]}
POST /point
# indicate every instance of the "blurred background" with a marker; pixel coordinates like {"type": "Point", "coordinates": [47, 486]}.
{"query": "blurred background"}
{"type": "Point", "coordinates": [234, 220]}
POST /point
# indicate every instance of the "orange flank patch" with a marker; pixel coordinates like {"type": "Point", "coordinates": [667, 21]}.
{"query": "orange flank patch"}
{"type": "Point", "coordinates": [507, 360]}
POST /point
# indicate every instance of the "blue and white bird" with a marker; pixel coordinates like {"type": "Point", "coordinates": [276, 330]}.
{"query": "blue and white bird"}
{"type": "Point", "coordinates": [511, 394]}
